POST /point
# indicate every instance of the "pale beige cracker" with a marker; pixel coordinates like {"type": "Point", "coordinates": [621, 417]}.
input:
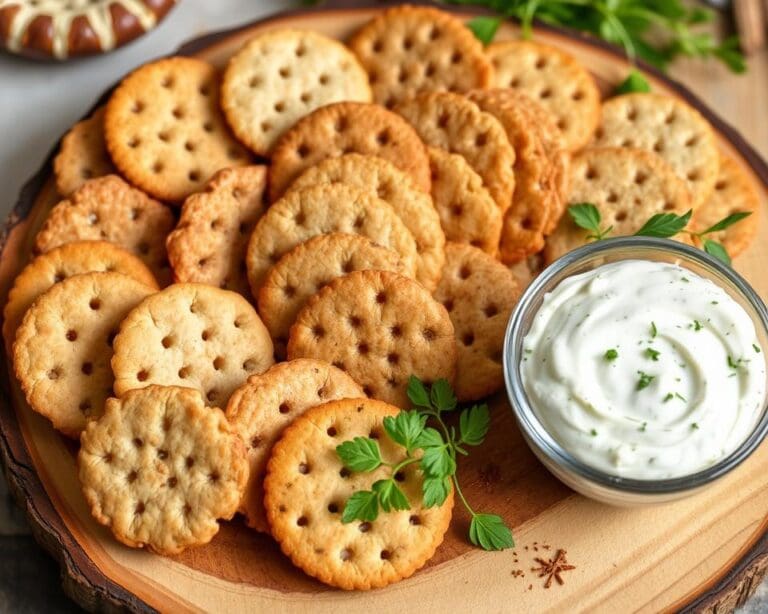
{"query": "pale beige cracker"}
{"type": "Point", "coordinates": [467, 212]}
{"type": "Point", "coordinates": [164, 129]}
{"type": "Point", "coordinates": [479, 293]}
{"type": "Point", "coordinates": [310, 266]}
{"type": "Point", "coordinates": [307, 487]}
{"type": "Point", "coordinates": [63, 347]}
{"type": "Point", "coordinates": [408, 50]}
{"type": "Point", "coordinates": [61, 263]}
{"type": "Point", "coordinates": [282, 75]}
{"type": "Point", "coordinates": [209, 243]}
{"type": "Point", "coordinates": [379, 327]}
{"type": "Point", "coordinates": [334, 207]}
{"type": "Point", "coordinates": [627, 186]}
{"type": "Point", "coordinates": [82, 154]}
{"type": "Point", "coordinates": [734, 191]}
{"type": "Point", "coordinates": [553, 78]}
{"type": "Point", "coordinates": [260, 410]}
{"type": "Point", "coordinates": [191, 335]}
{"type": "Point", "coordinates": [668, 127]}
{"type": "Point", "coordinates": [160, 469]}
{"type": "Point", "coordinates": [347, 127]}
{"type": "Point", "coordinates": [413, 207]}
{"type": "Point", "coordinates": [108, 209]}
{"type": "Point", "coordinates": [453, 123]}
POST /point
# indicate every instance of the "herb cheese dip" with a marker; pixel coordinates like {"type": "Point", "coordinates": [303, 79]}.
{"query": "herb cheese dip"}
{"type": "Point", "coordinates": [644, 369]}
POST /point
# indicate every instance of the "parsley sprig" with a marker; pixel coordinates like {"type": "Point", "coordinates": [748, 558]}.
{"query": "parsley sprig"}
{"type": "Point", "coordinates": [439, 449]}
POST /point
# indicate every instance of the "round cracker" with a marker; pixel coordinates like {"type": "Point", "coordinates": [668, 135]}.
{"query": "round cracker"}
{"type": "Point", "coordinates": [347, 127]}
{"type": "Point", "coordinates": [159, 468]}
{"type": "Point", "coordinates": [310, 266]}
{"type": "Point", "coordinates": [479, 293]}
{"type": "Point", "coordinates": [191, 335]}
{"type": "Point", "coordinates": [553, 78]}
{"type": "Point", "coordinates": [391, 326]}
{"type": "Point", "coordinates": [413, 207]}
{"type": "Point", "coordinates": [408, 50]}
{"type": "Point", "coordinates": [164, 129]}
{"type": "Point", "coordinates": [210, 241]}
{"type": "Point", "coordinates": [320, 209]}
{"type": "Point", "coordinates": [260, 410]}
{"type": "Point", "coordinates": [306, 489]}
{"type": "Point", "coordinates": [63, 347]}
{"type": "Point", "coordinates": [280, 76]}
{"type": "Point", "coordinates": [668, 127]}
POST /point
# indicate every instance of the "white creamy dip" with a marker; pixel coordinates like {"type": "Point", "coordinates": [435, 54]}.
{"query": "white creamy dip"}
{"type": "Point", "coordinates": [644, 369]}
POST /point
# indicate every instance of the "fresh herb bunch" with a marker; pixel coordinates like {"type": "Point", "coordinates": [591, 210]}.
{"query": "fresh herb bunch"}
{"type": "Point", "coordinates": [662, 225]}
{"type": "Point", "coordinates": [627, 23]}
{"type": "Point", "coordinates": [439, 449]}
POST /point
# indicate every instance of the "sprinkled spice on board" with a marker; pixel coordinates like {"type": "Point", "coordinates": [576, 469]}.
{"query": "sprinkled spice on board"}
{"type": "Point", "coordinates": [552, 568]}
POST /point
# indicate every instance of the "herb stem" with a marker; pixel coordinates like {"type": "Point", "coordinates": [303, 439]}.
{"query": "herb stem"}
{"type": "Point", "coordinates": [461, 496]}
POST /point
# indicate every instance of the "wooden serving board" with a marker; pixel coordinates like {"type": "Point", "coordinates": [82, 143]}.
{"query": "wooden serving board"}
{"type": "Point", "coordinates": [706, 552]}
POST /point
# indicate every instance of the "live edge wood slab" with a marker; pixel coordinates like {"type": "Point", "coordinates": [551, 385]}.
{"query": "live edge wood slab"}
{"type": "Point", "coordinates": [704, 553]}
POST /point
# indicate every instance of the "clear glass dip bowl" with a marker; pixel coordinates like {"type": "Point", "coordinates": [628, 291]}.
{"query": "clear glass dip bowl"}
{"type": "Point", "coordinates": [583, 478]}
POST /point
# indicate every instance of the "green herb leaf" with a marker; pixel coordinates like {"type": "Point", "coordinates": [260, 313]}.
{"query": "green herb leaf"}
{"type": "Point", "coordinates": [484, 28]}
{"type": "Point", "coordinates": [697, 326]}
{"type": "Point", "coordinates": [652, 354]}
{"type": "Point", "coordinates": [437, 462]}
{"type": "Point", "coordinates": [669, 397]}
{"type": "Point", "coordinates": [713, 248]}
{"type": "Point", "coordinates": [390, 495]}
{"type": "Point", "coordinates": [593, 432]}
{"type": "Point", "coordinates": [756, 348]}
{"type": "Point", "coordinates": [586, 216]}
{"type": "Point", "coordinates": [360, 454]}
{"type": "Point", "coordinates": [664, 225]}
{"type": "Point", "coordinates": [611, 354]}
{"type": "Point", "coordinates": [405, 428]}
{"type": "Point", "coordinates": [726, 222]}
{"type": "Point", "coordinates": [417, 392]}
{"type": "Point", "coordinates": [473, 424]}
{"type": "Point", "coordinates": [635, 82]}
{"type": "Point", "coordinates": [429, 438]}
{"type": "Point", "coordinates": [490, 533]}
{"type": "Point", "coordinates": [643, 427]}
{"type": "Point", "coordinates": [653, 330]}
{"type": "Point", "coordinates": [644, 381]}
{"type": "Point", "coordinates": [442, 396]}
{"type": "Point", "coordinates": [362, 505]}
{"type": "Point", "coordinates": [694, 426]}
{"type": "Point", "coordinates": [435, 490]}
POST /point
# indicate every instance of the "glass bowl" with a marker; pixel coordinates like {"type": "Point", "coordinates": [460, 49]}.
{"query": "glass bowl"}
{"type": "Point", "coordinates": [581, 477]}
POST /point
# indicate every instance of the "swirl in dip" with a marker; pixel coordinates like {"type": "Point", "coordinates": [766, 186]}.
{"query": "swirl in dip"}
{"type": "Point", "coordinates": [644, 370]}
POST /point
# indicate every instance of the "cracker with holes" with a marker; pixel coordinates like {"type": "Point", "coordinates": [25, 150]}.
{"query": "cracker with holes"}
{"type": "Point", "coordinates": [260, 410]}
{"type": "Point", "coordinates": [82, 154]}
{"type": "Point", "coordinates": [309, 267]}
{"type": "Point", "coordinates": [191, 335]}
{"type": "Point", "coordinates": [335, 207]}
{"type": "Point", "coordinates": [555, 79]}
{"type": "Point", "coordinates": [280, 76]}
{"type": "Point", "coordinates": [453, 123]}
{"type": "Point", "coordinates": [479, 293]}
{"type": "Point", "coordinates": [63, 347]}
{"type": "Point", "coordinates": [408, 50]}
{"type": "Point", "coordinates": [734, 191]}
{"type": "Point", "coordinates": [627, 186]}
{"type": "Point", "coordinates": [61, 263]}
{"type": "Point", "coordinates": [347, 127]}
{"type": "Point", "coordinates": [160, 469]}
{"type": "Point", "coordinates": [391, 328]}
{"type": "Point", "coordinates": [668, 127]}
{"type": "Point", "coordinates": [164, 130]}
{"type": "Point", "coordinates": [307, 487]}
{"type": "Point", "coordinates": [108, 209]}
{"type": "Point", "coordinates": [209, 243]}
{"type": "Point", "coordinates": [413, 207]}
{"type": "Point", "coordinates": [467, 212]}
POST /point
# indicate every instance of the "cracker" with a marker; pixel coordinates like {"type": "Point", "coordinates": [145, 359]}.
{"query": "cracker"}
{"type": "Point", "coordinates": [61, 263]}
{"type": "Point", "coordinates": [734, 191]}
{"type": "Point", "coordinates": [553, 78]}
{"type": "Point", "coordinates": [82, 154]}
{"type": "Point", "coordinates": [260, 410]}
{"type": "Point", "coordinates": [159, 468]}
{"type": "Point", "coordinates": [307, 487]}
{"type": "Point", "coordinates": [668, 127]}
{"type": "Point", "coordinates": [347, 127]}
{"type": "Point", "coordinates": [308, 212]}
{"type": "Point", "coordinates": [164, 129]}
{"type": "Point", "coordinates": [109, 209]}
{"type": "Point", "coordinates": [467, 212]}
{"type": "Point", "coordinates": [408, 50]}
{"type": "Point", "coordinates": [391, 328]}
{"type": "Point", "coordinates": [63, 346]}
{"type": "Point", "coordinates": [191, 335]}
{"type": "Point", "coordinates": [627, 186]}
{"type": "Point", "coordinates": [307, 268]}
{"type": "Point", "coordinates": [413, 207]}
{"type": "Point", "coordinates": [453, 123]}
{"type": "Point", "coordinates": [280, 76]}
{"type": "Point", "coordinates": [209, 243]}
{"type": "Point", "coordinates": [479, 293]}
